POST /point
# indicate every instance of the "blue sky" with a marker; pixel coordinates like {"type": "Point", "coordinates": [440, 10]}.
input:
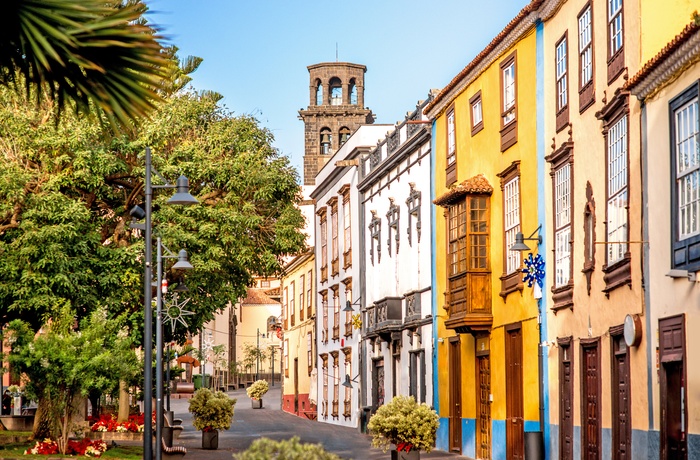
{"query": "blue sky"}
{"type": "Point", "coordinates": [256, 51]}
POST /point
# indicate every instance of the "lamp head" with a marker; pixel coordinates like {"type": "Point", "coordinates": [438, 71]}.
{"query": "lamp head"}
{"type": "Point", "coordinates": [519, 244]}
{"type": "Point", "coordinates": [182, 193]}
{"type": "Point", "coordinates": [137, 212]}
{"type": "Point", "coordinates": [347, 383]}
{"type": "Point", "coordinates": [182, 262]}
{"type": "Point", "coordinates": [348, 306]}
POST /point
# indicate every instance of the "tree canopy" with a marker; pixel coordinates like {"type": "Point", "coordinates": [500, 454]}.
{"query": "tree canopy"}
{"type": "Point", "coordinates": [66, 190]}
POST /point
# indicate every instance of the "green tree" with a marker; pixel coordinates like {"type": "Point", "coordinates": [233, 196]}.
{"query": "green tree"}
{"type": "Point", "coordinates": [62, 364]}
{"type": "Point", "coordinates": [96, 53]}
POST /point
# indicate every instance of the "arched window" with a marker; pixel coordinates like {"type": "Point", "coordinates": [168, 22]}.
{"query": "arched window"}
{"type": "Point", "coordinates": [319, 93]}
{"type": "Point", "coordinates": [336, 91]}
{"type": "Point", "coordinates": [344, 135]}
{"type": "Point", "coordinates": [353, 92]}
{"type": "Point", "coordinates": [326, 141]}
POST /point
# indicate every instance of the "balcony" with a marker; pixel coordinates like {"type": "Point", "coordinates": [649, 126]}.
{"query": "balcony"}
{"type": "Point", "coordinates": [346, 410]}
{"type": "Point", "coordinates": [347, 259]}
{"type": "Point", "coordinates": [335, 409]}
{"type": "Point", "coordinates": [468, 303]}
{"type": "Point", "coordinates": [324, 273]}
{"type": "Point", "coordinates": [334, 267]}
{"type": "Point", "coordinates": [384, 317]}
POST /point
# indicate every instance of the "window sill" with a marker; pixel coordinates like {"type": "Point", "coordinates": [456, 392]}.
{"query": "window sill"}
{"type": "Point", "coordinates": [510, 283]}
{"type": "Point", "coordinates": [509, 135]}
{"type": "Point", "coordinates": [617, 274]}
{"type": "Point", "coordinates": [563, 297]}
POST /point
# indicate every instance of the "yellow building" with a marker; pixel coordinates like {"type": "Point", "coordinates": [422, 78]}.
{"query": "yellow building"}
{"type": "Point", "coordinates": [486, 191]}
{"type": "Point", "coordinates": [298, 323]}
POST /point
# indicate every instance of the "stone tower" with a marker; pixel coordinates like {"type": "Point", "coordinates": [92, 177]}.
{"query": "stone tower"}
{"type": "Point", "coordinates": [336, 109]}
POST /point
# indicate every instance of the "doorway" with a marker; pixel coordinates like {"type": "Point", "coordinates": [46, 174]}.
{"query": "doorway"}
{"type": "Point", "coordinates": [455, 405]}
{"type": "Point", "coordinates": [590, 399]}
{"type": "Point", "coordinates": [674, 416]}
{"type": "Point", "coordinates": [483, 424]}
{"type": "Point", "coordinates": [515, 424]}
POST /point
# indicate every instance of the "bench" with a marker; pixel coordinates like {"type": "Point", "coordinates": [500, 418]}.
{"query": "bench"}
{"type": "Point", "coordinates": [176, 426]}
{"type": "Point", "coordinates": [310, 414]}
{"type": "Point", "coordinates": [175, 450]}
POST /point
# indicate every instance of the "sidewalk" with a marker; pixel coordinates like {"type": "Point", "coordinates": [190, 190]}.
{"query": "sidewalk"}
{"type": "Point", "coordinates": [271, 422]}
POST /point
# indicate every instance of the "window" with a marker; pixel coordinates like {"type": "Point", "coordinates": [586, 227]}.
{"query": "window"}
{"type": "Point", "coordinates": [310, 350]}
{"type": "Point", "coordinates": [326, 141]}
{"type": "Point", "coordinates": [348, 314]}
{"type": "Point", "coordinates": [319, 93]}
{"type": "Point", "coordinates": [265, 283]}
{"type": "Point", "coordinates": [685, 160]}
{"type": "Point", "coordinates": [509, 111]}
{"type": "Point", "coordinates": [561, 161]}
{"type": "Point", "coordinates": [336, 92]}
{"type": "Point", "coordinates": [417, 375]}
{"type": "Point", "coordinates": [336, 383]}
{"type": "Point", "coordinates": [285, 345]}
{"type": "Point", "coordinates": [562, 225]}
{"type": "Point", "coordinates": [347, 232]}
{"type": "Point", "coordinates": [309, 312]}
{"type": "Point", "coordinates": [324, 307]}
{"type": "Point", "coordinates": [511, 207]}
{"type": "Point", "coordinates": [562, 76]}
{"type": "Point", "coordinates": [324, 245]}
{"type": "Point", "coordinates": [302, 286]}
{"type": "Point", "coordinates": [616, 58]}
{"type": "Point", "coordinates": [324, 401]}
{"type": "Point", "coordinates": [347, 411]}
{"type": "Point", "coordinates": [617, 191]}
{"type": "Point", "coordinates": [285, 306]}
{"type": "Point", "coordinates": [334, 235]}
{"type": "Point", "coordinates": [476, 112]}
{"type": "Point", "coordinates": [467, 247]}
{"type": "Point", "coordinates": [585, 59]}
{"type": "Point", "coordinates": [451, 150]}
{"type": "Point", "coordinates": [292, 304]}
{"type": "Point", "coordinates": [392, 217]}
{"type": "Point", "coordinates": [336, 313]}
{"type": "Point", "coordinates": [617, 271]}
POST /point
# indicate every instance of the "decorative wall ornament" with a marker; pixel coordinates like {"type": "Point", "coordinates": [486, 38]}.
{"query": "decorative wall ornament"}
{"type": "Point", "coordinates": [413, 203]}
{"type": "Point", "coordinates": [392, 217]}
{"type": "Point", "coordinates": [534, 273]}
{"type": "Point", "coordinates": [175, 312]}
{"type": "Point", "coordinates": [375, 231]}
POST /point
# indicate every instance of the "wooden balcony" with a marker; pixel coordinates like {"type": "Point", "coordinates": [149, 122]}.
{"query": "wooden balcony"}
{"type": "Point", "coordinates": [347, 259]}
{"type": "Point", "coordinates": [324, 273]}
{"type": "Point", "coordinates": [335, 409]}
{"type": "Point", "coordinates": [468, 303]}
{"type": "Point", "coordinates": [334, 267]}
{"type": "Point", "coordinates": [346, 410]}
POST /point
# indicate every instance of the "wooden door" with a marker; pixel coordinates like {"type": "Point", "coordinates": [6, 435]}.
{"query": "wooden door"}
{"type": "Point", "coordinates": [566, 400]}
{"type": "Point", "coordinates": [622, 425]}
{"type": "Point", "coordinates": [674, 416]}
{"type": "Point", "coordinates": [483, 404]}
{"type": "Point", "coordinates": [590, 400]}
{"type": "Point", "coordinates": [515, 432]}
{"type": "Point", "coordinates": [455, 396]}
{"type": "Point", "coordinates": [378, 383]}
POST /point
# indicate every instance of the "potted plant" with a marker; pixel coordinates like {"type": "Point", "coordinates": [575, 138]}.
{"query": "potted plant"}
{"type": "Point", "coordinates": [410, 426]}
{"type": "Point", "coordinates": [211, 411]}
{"type": "Point", "coordinates": [256, 392]}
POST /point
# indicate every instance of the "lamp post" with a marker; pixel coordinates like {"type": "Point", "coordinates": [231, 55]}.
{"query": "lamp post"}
{"type": "Point", "coordinates": [182, 196]}
{"type": "Point", "coordinates": [181, 264]}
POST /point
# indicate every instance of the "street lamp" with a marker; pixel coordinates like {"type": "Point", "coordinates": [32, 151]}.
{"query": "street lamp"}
{"type": "Point", "coordinates": [181, 197]}
{"type": "Point", "coordinates": [181, 264]}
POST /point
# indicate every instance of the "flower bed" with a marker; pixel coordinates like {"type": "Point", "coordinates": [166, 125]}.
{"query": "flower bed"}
{"type": "Point", "coordinates": [109, 423]}
{"type": "Point", "coordinates": [85, 447]}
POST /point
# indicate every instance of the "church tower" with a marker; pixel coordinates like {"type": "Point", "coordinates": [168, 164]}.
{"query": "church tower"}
{"type": "Point", "coordinates": [336, 109]}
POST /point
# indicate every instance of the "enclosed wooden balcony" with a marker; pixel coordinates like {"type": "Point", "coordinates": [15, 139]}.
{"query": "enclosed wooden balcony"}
{"type": "Point", "coordinates": [468, 303]}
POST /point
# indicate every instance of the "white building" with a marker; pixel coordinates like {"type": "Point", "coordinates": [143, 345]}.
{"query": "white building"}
{"type": "Point", "coordinates": [395, 229]}
{"type": "Point", "coordinates": [338, 278]}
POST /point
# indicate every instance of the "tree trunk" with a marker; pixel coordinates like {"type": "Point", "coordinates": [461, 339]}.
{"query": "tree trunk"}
{"type": "Point", "coordinates": [123, 402]}
{"type": "Point", "coordinates": [43, 422]}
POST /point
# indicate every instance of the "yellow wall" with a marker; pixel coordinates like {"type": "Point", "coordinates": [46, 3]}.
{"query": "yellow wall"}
{"type": "Point", "coordinates": [481, 154]}
{"type": "Point", "coordinates": [661, 21]}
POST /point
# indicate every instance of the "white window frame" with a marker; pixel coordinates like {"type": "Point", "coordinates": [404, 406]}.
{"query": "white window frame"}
{"type": "Point", "coordinates": [509, 93]}
{"type": "Point", "coordinates": [686, 121]}
{"type": "Point", "coordinates": [585, 46]}
{"type": "Point", "coordinates": [477, 114]}
{"type": "Point", "coordinates": [617, 196]}
{"type": "Point", "coordinates": [615, 26]}
{"type": "Point", "coordinates": [562, 221]}
{"type": "Point", "coordinates": [511, 224]}
{"type": "Point", "coordinates": [451, 138]}
{"type": "Point", "coordinates": [562, 74]}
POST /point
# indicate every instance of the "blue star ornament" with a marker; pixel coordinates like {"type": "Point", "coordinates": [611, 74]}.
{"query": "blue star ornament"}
{"type": "Point", "coordinates": [534, 270]}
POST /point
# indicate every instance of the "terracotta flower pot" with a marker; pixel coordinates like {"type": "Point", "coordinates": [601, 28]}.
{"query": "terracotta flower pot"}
{"type": "Point", "coordinates": [257, 403]}
{"type": "Point", "coordinates": [210, 440]}
{"type": "Point", "coordinates": [403, 455]}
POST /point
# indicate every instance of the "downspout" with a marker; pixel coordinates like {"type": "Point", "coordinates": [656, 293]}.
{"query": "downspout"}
{"type": "Point", "coordinates": [363, 270]}
{"type": "Point", "coordinates": [433, 276]}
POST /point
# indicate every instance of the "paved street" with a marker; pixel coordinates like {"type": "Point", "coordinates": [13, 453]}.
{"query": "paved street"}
{"type": "Point", "coordinates": [272, 422]}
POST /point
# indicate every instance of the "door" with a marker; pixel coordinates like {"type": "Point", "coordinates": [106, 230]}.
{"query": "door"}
{"type": "Point", "coordinates": [566, 400]}
{"type": "Point", "coordinates": [621, 410]}
{"type": "Point", "coordinates": [455, 396]}
{"type": "Point", "coordinates": [674, 417]}
{"type": "Point", "coordinates": [590, 400]}
{"type": "Point", "coordinates": [515, 432]}
{"type": "Point", "coordinates": [378, 383]}
{"type": "Point", "coordinates": [296, 386]}
{"type": "Point", "coordinates": [483, 424]}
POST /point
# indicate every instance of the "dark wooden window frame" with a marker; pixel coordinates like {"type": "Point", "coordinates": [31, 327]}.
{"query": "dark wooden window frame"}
{"type": "Point", "coordinates": [347, 248]}
{"type": "Point", "coordinates": [509, 132]}
{"type": "Point", "coordinates": [562, 116]}
{"type": "Point", "coordinates": [591, 343]}
{"type": "Point", "coordinates": [323, 236]}
{"type": "Point", "coordinates": [681, 250]}
{"type": "Point", "coordinates": [476, 127]}
{"type": "Point", "coordinates": [586, 90]}
{"type": "Point", "coordinates": [510, 282]}
{"type": "Point", "coordinates": [616, 60]}
{"type": "Point", "coordinates": [563, 296]}
{"type": "Point", "coordinates": [678, 354]}
{"type": "Point", "coordinates": [566, 354]}
{"type": "Point", "coordinates": [618, 273]}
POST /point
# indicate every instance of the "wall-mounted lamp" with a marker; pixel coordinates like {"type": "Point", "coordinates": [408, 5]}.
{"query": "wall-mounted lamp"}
{"type": "Point", "coordinates": [520, 245]}
{"type": "Point", "coordinates": [348, 382]}
{"type": "Point", "coordinates": [348, 305]}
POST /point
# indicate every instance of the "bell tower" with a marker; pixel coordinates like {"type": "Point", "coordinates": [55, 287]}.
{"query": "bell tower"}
{"type": "Point", "coordinates": [336, 109]}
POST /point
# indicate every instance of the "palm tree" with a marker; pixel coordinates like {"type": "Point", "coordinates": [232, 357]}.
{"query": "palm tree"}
{"type": "Point", "coordinates": [97, 54]}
